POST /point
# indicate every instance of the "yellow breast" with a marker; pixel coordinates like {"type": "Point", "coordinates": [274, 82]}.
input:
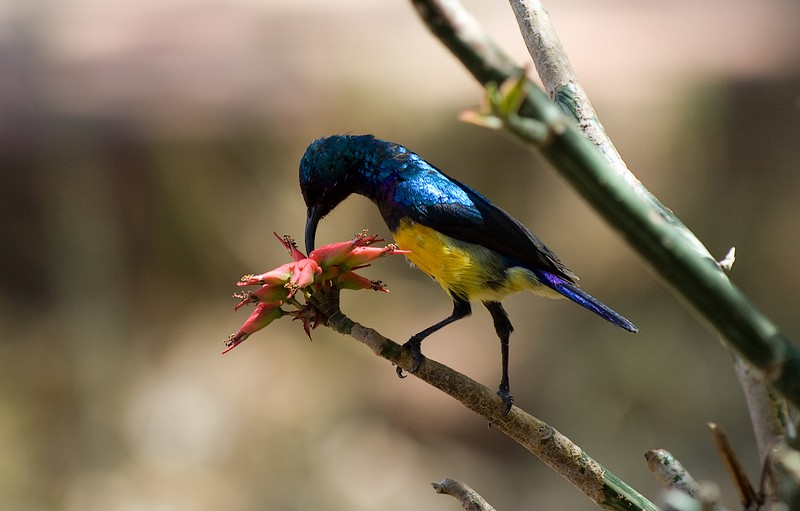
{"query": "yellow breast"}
{"type": "Point", "coordinates": [464, 270]}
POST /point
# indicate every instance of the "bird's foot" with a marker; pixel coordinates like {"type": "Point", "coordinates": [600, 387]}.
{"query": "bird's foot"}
{"type": "Point", "coordinates": [414, 347]}
{"type": "Point", "coordinates": [505, 395]}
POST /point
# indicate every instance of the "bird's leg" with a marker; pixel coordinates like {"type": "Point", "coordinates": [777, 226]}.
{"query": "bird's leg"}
{"type": "Point", "coordinates": [461, 308]}
{"type": "Point", "coordinates": [503, 327]}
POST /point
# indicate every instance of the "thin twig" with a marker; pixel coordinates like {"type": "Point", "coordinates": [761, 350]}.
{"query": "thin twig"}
{"type": "Point", "coordinates": [768, 412]}
{"type": "Point", "coordinates": [559, 79]}
{"type": "Point", "coordinates": [670, 472]}
{"type": "Point", "coordinates": [747, 495]}
{"type": "Point", "coordinates": [469, 498]}
{"type": "Point", "coordinates": [677, 480]}
{"type": "Point", "coordinates": [535, 435]}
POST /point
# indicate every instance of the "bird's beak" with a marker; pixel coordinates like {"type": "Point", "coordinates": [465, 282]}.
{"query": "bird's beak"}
{"type": "Point", "coordinates": [311, 227]}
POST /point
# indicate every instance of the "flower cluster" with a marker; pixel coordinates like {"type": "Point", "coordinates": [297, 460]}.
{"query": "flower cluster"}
{"type": "Point", "coordinates": [332, 265]}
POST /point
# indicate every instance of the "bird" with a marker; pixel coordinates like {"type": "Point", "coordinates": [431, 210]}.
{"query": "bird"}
{"type": "Point", "coordinates": [471, 247]}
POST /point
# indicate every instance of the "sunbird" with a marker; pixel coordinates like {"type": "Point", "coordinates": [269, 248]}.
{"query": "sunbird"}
{"type": "Point", "coordinates": [472, 248]}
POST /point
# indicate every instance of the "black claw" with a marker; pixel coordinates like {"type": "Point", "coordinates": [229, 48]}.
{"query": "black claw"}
{"type": "Point", "coordinates": [416, 356]}
{"type": "Point", "coordinates": [507, 398]}
{"type": "Point", "coordinates": [413, 346]}
{"type": "Point", "coordinates": [461, 308]}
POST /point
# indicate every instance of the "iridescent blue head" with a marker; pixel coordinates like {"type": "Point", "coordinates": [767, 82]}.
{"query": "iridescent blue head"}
{"type": "Point", "coordinates": [332, 168]}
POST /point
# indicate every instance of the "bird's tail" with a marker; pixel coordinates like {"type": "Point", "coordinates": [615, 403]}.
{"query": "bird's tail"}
{"type": "Point", "coordinates": [583, 298]}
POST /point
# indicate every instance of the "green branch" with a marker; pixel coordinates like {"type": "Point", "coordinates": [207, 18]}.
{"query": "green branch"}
{"type": "Point", "coordinates": [650, 228]}
{"type": "Point", "coordinates": [538, 437]}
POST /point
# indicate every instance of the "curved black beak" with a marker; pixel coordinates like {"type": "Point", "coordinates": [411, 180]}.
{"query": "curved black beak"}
{"type": "Point", "coordinates": [311, 227]}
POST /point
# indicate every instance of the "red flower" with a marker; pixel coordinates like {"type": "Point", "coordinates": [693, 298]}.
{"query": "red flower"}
{"type": "Point", "coordinates": [278, 276]}
{"type": "Point", "coordinates": [335, 253]}
{"type": "Point", "coordinates": [331, 265]}
{"type": "Point", "coordinates": [351, 280]}
{"type": "Point", "coordinates": [361, 256]}
{"type": "Point", "coordinates": [291, 246]}
{"type": "Point", "coordinates": [266, 293]}
{"type": "Point", "coordinates": [264, 314]}
{"type": "Point", "coordinates": [304, 273]}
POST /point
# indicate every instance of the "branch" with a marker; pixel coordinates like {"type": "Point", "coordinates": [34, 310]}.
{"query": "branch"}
{"type": "Point", "coordinates": [683, 491]}
{"type": "Point", "coordinates": [559, 78]}
{"type": "Point", "coordinates": [670, 472]}
{"type": "Point", "coordinates": [747, 495]}
{"type": "Point", "coordinates": [538, 437]}
{"type": "Point", "coordinates": [768, 412]}
{"type": "Point", "coordinates": [651, 228]}
{"type": "Point", "coordinates": [469, 498]}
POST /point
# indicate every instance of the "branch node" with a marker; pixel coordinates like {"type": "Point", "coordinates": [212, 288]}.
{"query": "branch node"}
{"type": "Point", "coordinates": [727, 262]}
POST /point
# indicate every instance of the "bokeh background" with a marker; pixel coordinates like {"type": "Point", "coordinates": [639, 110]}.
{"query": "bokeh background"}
{"type": "Point", "coordinates": [149, 149]}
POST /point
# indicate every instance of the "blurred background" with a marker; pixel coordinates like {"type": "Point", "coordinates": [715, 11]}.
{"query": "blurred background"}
{"type": "Point", "coordinates": [149, 149]}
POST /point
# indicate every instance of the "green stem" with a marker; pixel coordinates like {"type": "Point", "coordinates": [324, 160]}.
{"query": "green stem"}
{"type": "Point", "coordinates": [650, 228]}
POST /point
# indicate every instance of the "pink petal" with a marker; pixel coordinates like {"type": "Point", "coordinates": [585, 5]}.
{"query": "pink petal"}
{"type": "Point", "coordinates": [268, 293]}
{"type": "Point", "coordinates": [362, 255]}
{"type": "Point", "coordinates": [305, 272]}
{"type": "Point", "coordinates": [278, 276]}
{"type": "Point", "coordinates": [352, 280]}
{"type": "Point", "coordinates": [264, 314]}
{"type": "Point", "coordinates": [332, 254]}
{"type": "Point", "coordinates": [291, 246]}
